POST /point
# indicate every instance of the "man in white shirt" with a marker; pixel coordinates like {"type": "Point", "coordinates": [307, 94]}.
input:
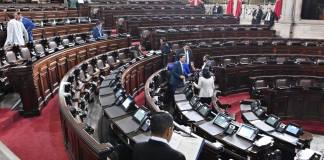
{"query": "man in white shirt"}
{"type": "Point", "coordinates": [16, 32]}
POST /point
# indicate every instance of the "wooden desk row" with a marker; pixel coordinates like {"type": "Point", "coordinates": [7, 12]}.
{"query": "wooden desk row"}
{"type": "Point", "coordinates": [61, 30]}
{"type": "Point", "coordinates": [175, 33]}
{"type": "Point", "coordinates": [102, 2]}
{"type": "Point", "coordinates": [296, 101]}
{"type": "Point", "coordinates": [110, 12]}
{"type": "Point", "coordinates": [245, 46]}
{"type": "Point", "coordinates": [36, 83]}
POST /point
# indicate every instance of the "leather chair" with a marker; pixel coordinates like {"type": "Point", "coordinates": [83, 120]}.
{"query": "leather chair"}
{"type": "Point", "coordinates": [103, 67]}
{"type": "Point", "coordinates": [25, 54]}
{"type": "Point", "coordinates": [282, 84]}
{"type": "Point", "coordinates": [281, 60]}
{"type": "Point", "coordinates": [305, 83]}
{"type": "Point", "coordinates": [244, 61]}
{"type": "Point", "coordinates": [260, 84]}
{"type": "Point", "coordinates": [111, 61]}
{"type": "Point", "coordinates": [11, 57]}
{"type": "Point", "coordinates": [228, 63]}
{"type": "Point", "coordinates": [93, 71]}
{"type": "Point", "coordinates": [39, 50]}
{"type": "Point", "coordinates": [260, 60]}
{"type": "Point", "coordinates": [320, 62]}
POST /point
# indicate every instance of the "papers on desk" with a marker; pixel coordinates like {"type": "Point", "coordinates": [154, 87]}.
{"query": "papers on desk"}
{"type": "Point", "coordinates": [189, 146]}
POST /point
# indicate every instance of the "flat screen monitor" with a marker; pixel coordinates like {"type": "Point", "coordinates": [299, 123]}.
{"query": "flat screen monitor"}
{"type": "Point", "coordinates": [193, 100]}
{"type": "Point", "coordinates": [247, 132]}
{"type": "Point", "coordinates": [259, 112]}
{"type": "Point", "coordinates": [204, 110]}
{"type": "Point", "coordinates": [119, 92]}
{"type": "Point", "coordinates": [221, 120]}
{"type": "Point", "coordinates": [293, 130]}
{"type": "Point", "coordinates": [140, 115]}
{"type": "Point", "coordinates": [272, 120]}
{"type": "Point", "coordinates": [197, 106]}
{"type": "Point", "coordinates": [127, 103]}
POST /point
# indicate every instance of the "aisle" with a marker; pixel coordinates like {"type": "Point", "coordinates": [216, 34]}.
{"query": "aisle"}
{"type": "Point", "coordinates": [37, 138]}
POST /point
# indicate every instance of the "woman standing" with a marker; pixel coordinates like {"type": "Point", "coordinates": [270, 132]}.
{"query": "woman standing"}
{"type": "Point", "coordinates": [206, 86]}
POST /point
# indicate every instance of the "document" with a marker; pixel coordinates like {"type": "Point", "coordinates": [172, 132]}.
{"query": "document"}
{"type": "Point", "coordinates": [190, 147]}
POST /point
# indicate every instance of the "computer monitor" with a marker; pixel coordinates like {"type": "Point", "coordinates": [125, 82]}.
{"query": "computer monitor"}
{"type": "Point", "coordinates": [272, 120]}
{"type": "Point", "coordinates": [128, 102]}
{"type": "Point", "coordinates": [119, 92]}
{"type": "Point", "coordinates": [293, 130]}
{"type": "Point", "coordinates": [204, 110]}
{"type": "Point", "coordinates": [197, 106]}
{"type": "Point", "coordinates": [140, 116]}
{"type": "Point", "coordinates": [259, 112]}
{"type": "Point", "coordinates": [247, 132]}
{"type": "Point", "coordinates": [221, 120]}
{"type": "Point", "coordinates": [193, 100]}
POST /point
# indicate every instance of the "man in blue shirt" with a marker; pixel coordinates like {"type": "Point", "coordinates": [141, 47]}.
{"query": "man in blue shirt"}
{"type": "Point", "coordinates": [28, 24]}
{"type": "Point", "coordinates": [97, 30]}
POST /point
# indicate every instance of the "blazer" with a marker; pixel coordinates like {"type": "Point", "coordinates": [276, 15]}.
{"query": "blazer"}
{"type": "Point", "coordinates": [181, 51]}
{"type": "Point", "coordinates": [155, 150]}
{"type": "Point", "coordinates": [206, 87]}
{"type": "Point", "coordinates": [272, 18]}
{"type": "Point", "coordinates": [29, 26]}
{"type": "Point", "coordinates": [176, 72]}
{"type": "Point", "coordinates": [257, 16]}
{"type": "Point", "coordinates": [96, 33]}
{"type": "Point", "coordinates": [218, 10]}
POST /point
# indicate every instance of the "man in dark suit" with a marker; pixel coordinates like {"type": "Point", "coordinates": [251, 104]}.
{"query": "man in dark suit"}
{"type": "Point", "coordinates": [157, 148]}
{"type": "Point", "coordinates": [188, 55]}
{"type": "Point", "coordinates": [165, 50]}
{"type": "Point", "coordinates": [208, 63]}
{"type": "Point", "coordinates": [217, 9]}
{"type": "Point", "coordinates": [179, 72]}
{"type": "Point", "coordinates": [269, 17]}
{"type": "Point", "coordinates": [257, 15]}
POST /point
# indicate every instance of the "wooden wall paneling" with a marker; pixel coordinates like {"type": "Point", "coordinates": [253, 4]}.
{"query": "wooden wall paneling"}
{"type": "Point", "coordinates": [50, 14]}
{"type": "Point", "coordinates": [62, 30]}
{"type": "Point", "coordinates": [45, 85]}
{"type": "Point", "coordinates": [127, 84]}
{"type": "Point", "coordinates": [53, 76]}
{"type": "Point", "coordinates": [148, 70]}
{"type": "Point", "coordinates": [85, 27]}
{"type": "Point", "coordinates": [38, 88]}
{"type": "Point", "coordinates": [37, 33]}
{"type": "Point", "coordinates": [73, 30]}
{"type": "Point", "coordinates": [72, 13]}
{"type": "Point", "coordinates": [71, 60]}
{"type": "Point", "coordinates": [62, 66]}
{"type": "Point", "coordinates": [38, 15]}
{"type": "Point", "coordinates": [92, 51]}
{"type": "Point", "coordinates": [2, 16]}
{"type": "Point", "coordinates": [61, 14]}
{"type": "Point", "coordinates": [133, 81]}
{"type": "Point", "coordinates": [81, 54]}
{"type": "Point", "coordinates": [102, 48]}
{"type": "Point", "coordinates": [311, 106]}
{"type": "Point", "coordinates": [49, 31]}
{"type": "Point", "coordinates": [141, 76]}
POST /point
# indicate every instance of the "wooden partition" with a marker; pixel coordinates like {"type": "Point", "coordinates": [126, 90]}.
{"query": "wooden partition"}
{"type": "Point", "coordinates": [36, 83]}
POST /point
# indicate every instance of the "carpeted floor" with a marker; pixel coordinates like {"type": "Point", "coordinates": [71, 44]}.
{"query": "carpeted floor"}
{"type": "Point", "coordinates": [37, 138]}
{"type": "Point", "coordinates": [234, 100]}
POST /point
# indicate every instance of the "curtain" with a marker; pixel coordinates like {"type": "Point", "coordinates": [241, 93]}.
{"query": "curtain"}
{"type": "Point", "coordinates": [277, 8]}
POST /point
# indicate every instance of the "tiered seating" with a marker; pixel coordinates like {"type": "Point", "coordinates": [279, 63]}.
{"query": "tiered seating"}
{"type": "Point", "coordinates": [173, 33]}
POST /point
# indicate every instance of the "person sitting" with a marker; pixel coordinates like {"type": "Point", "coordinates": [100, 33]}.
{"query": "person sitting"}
{"type": "Point", "coordinates": [179, 72]}
{"type": "Point", "coordinates": [120, 25]}
{"type": "Point", "coordinates": [16, 32]}
{"type": "Point", "coordinates": [157, 148]}
{"type": "Point", "coordinates": [206, 86]}
{"type": "Point", "coordinates": [97, 31]}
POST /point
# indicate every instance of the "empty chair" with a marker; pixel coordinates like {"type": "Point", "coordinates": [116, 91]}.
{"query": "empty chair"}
{"type": "Point", "coordinates": [260, 60]}
{"type": "Point", "coordinates": [280, 60]}
{"type": "Point", "coordinates": [103, 67]}
{"type": "Point", "coordinates": [52, 45]}
{"type": "Point", "coordinates": [320, 62]}
{"type": "Point", "coordinates": [84, 77]}
{"type": "Point", "coordinates": [305, 83]}
{"type": "Point", "coordinates": [282, 84]}
{"type": "Point", "coordinates": [228, 62]}
{"type": "Point", "coordinates": [65, 42]}
{"type": "Point", "coordinates": [39, 50]}
{"type": "Point", "coordinates": [123, 58]}
{"type": "Point", "coordinates": [11, 57]}
{"type": "Point", "coordinates": [79, 40]}
{"type": "Point", "coordinates": [25, 54]}
{"type": "Point", "coordinates": [93, 71]}
{"type": "Point", "coordinates": [260, 84]}
{"type": "Point", "coordinates": [244, 60]}
{"type": "Point", "coordinates": [111, 61]}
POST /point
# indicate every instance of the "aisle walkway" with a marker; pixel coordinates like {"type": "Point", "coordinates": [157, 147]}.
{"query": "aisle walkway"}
{"type": "Point", "coordinates": [37, 138]}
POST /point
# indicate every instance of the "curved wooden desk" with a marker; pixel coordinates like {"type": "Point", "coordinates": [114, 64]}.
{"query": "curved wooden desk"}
{"type": "Point", "coordinates": [36, 83]}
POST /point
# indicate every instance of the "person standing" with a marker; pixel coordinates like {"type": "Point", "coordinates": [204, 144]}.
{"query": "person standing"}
{"type": "Point", "coordinates": [165, 50]}
{"type": "Point", "coordinates": [269, 17]}
{"type": "Point", "coordinates": [179, 72]}
{"type": "Point", "coordinates": [28, 24]}
{"type": "Point", "coordinates": [16, 32]}
{"type": "Point", "coordinates": [157, 147]}
{"type": "Point", "coordinates": [188, 55]}
{"type": "Point", "coordinates": [218, 9]}
{"type": "Point", "coordinates": [206, 86]}
{"type": "Point", "coordinates": [257, 15]}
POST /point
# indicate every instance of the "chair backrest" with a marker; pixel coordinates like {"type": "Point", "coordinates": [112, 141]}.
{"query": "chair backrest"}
{"type": "Point", "coordinates": [121, 55]}
{"type": "Point", "coordinates": [280, 60]}
{"type": "Point", "coordinates": [39, 49]}
{"type": "Point", "coordinates": [82, 75]}
{"type": "Point", "coordinates": [52, 45]}
{"type": "Point", "coordinates": [100, 64]}
{"type": "Point", "coordinates": [261, 59]}
{"type": "Point", "coordinates": [25, 54]}
{"type": "Point", "coordinates": [65, 42]}
{"type": "Point", "coordinates": [281, 83]}
{"type": "Point", "coordinates": [110, 60]}
{"type": "Point", "coordinates": [320, 61]}
{"type": "Point", "coordinates": [90, 69]}
{"type": "Point", "coordinates": [11, 57]}
{"type": "Point", "coordinates": [227, 61]}
{"type": "Point", "coordinates": [260, 83]}
{"type": "Point", "coordinates": [244, 60]}
{"type": "Point", "coordinates": [305, 83]}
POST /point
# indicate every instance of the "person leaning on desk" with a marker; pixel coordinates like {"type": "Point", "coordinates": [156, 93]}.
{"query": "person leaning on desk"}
{"type": "Point", "coordinates": [157, 148]}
